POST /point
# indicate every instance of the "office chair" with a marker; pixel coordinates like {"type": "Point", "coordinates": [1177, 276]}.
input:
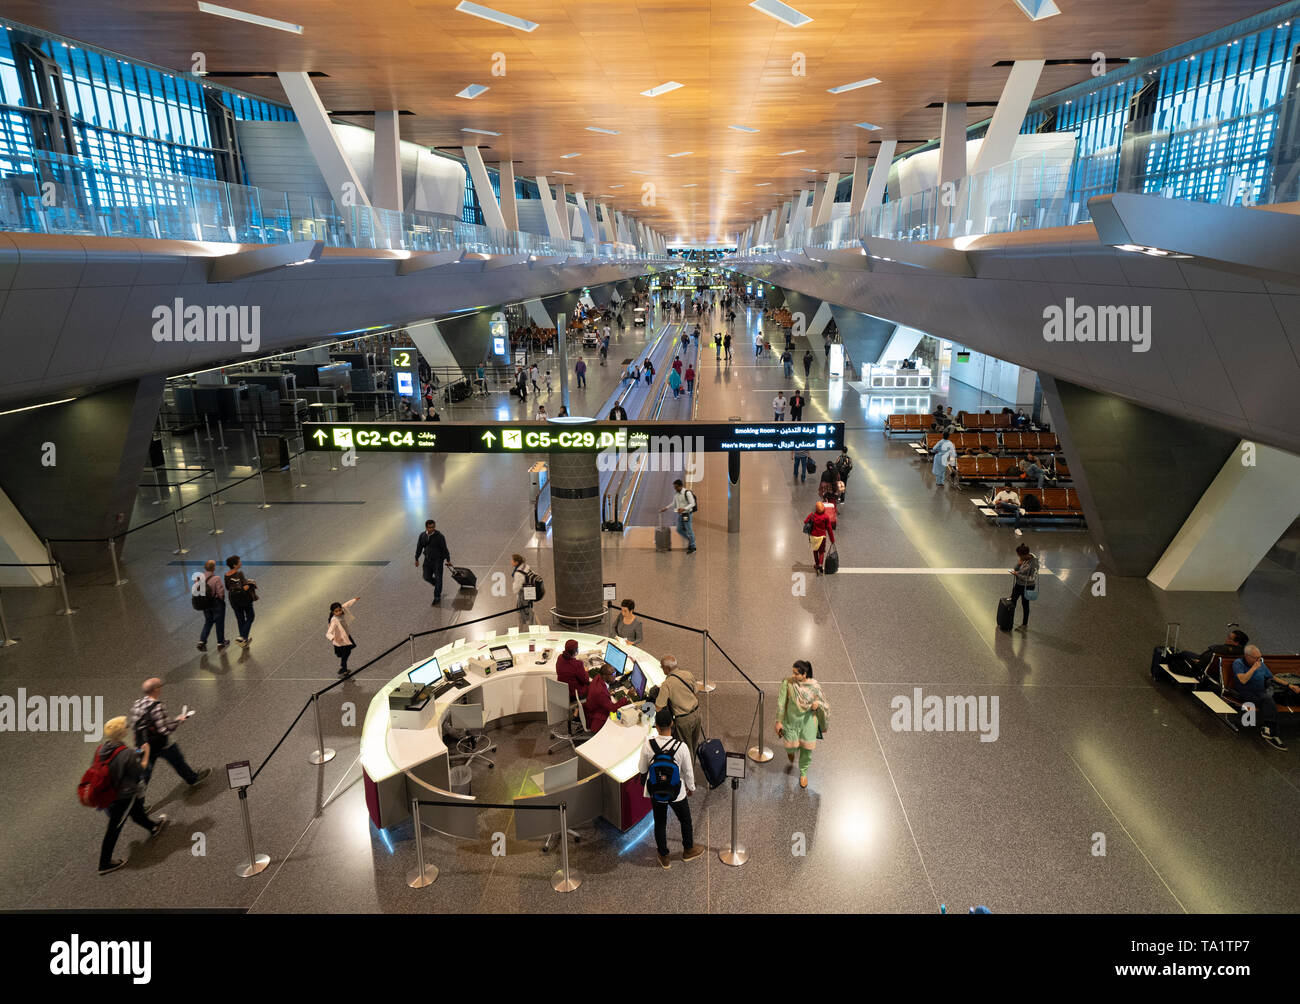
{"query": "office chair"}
{"type": "Point", "coordinates": [476, 745]}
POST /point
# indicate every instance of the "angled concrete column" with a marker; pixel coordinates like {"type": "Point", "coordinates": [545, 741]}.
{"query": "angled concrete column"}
{"type": "Point", "coordinates": [1139, 473]}
{"type": "Point", "coordinates": [562, 210]}
{"type": "Point", "coordinates": [818, 199]}
{"type": "Point", "coordinates": [827, 207]}
{"type": "Point", "coordinates": [875, 193]}
{"type": "Point", "coordinates": [799, 213]}
{"type": "Point", "coordinates": [775, 228]}
{"type": "Point", "coordinates": [606, 230]}
{"type": "Point", "coordinates": [335, 167]}
{"type": "Point", "coordinates": [952, 142]}
{"type": "Point", "coordinates": [388, 161]}
{"type": "Point", "coordinates": [1247, 507]}
{"type": "Point", "coordinates": [548, 209]}
{"type": "Point", "coordinates": [509, 211]}
{"type": "Point", "coordinates": [858, 193]}
{"type": "Point", "coordinates": [1000, 139]}
{"type": "Point", "coordinates": [902, 343]}
{"type": "Point", "coordinates": [487, 201]}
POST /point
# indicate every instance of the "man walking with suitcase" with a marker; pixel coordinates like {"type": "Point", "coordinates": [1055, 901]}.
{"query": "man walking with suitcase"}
{"type": "Point", "coordinates": [684, 504]}
{"type": "Point", "coordinates": [433, 545]}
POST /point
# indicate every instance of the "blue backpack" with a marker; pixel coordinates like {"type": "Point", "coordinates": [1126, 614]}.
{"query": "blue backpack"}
{"type": "Point", "coordinates": [664, 778]}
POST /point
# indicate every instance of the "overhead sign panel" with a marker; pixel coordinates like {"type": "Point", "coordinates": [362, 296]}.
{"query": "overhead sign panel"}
{"type": "Point", "coordinates": [581, 437]}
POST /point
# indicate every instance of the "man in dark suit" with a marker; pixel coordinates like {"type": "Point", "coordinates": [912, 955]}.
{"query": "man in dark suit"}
{"type": "Point", "coordinates": [433, 545]}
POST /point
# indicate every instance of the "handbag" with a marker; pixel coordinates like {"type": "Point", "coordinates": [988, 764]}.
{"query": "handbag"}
{"type": "Point", "coordinates": [1031, 591]}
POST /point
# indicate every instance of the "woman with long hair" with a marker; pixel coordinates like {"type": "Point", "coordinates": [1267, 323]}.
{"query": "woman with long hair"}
{"type": "Point", "coordinates": [802, 715]}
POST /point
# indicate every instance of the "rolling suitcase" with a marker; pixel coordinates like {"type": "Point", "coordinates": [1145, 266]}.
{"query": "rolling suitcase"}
{"type": "Point", "coordinates": [832, 563]}
{"type": "Point", "coordinates": [464, 577]}
{"type": "Point", "coordinates": [713, 761]}
{"type": "Point", "coordinates": [663, 538]}
{"type": "Point", "coordinates": [1006, 613]}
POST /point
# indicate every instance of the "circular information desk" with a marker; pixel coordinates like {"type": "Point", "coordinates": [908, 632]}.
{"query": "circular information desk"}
{"type": "Point", "coordinates": [398, 744]}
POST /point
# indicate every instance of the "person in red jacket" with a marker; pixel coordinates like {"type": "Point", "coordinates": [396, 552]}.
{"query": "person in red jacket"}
{"type": "Point", "coordinates": [569, 669]}
{"type": "Point", "coordinates": [599, 705]}
{"type": "Point", "coordinates": [821, 528]}
{"type": "Point", "coordinates": [690, 379]}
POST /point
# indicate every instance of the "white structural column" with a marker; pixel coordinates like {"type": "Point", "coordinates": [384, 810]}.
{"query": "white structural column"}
{"type": "Point", "coordinates": [562, 210]}
{"type": "Point", "coordinates": [606, 223]}
{"type": "Point", "coordinates": [433, 347]}
{"type": "Point", "coordinates": [1248, 506]}
{"type": "Point", "coordinates": [818, 198]}
{"type": "Point", "coordinates": [902, 343]}
{"type": "Point", "coordinates": [487, 200]}
{"type": "Point", "coordinates": [875, 193]}
{"type": "Point", "coordinates": [593, 221]}
{"type": "Point", "coordinates": [774, 219]}
{"type": "Point", "coordinates": [824, 211]}
{"type": "Point", "coordinates": [335, 167]}
{"type": "Point", "coordinates": [1000, 140]}
{"type": "Point", "coordinates": [803, 209]}
{"type": "Point", "coordinates": [388, 161]}
{"type": "Point", "coordinates": [952, 142]}
{"type": "Point", "coordinates": [509, 211]}
{"type": "Point", "coordinates": [861, 172]}
{"type": "Point", "coordinates": [588, 235]}
{"type": "Point", "coordinates": [548, 209]}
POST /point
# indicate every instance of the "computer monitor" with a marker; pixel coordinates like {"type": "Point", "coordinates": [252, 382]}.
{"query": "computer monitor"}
{"type": "Point", "coordinates": [615, 659]}
{"type": "Point", "coordinates": [638, 683]}
{"type": "Point", "coordinates": [428, 672]}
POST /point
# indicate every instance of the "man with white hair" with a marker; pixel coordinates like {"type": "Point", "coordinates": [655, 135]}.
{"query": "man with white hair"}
{"type": "Point", "coordinates": [1255, 685]}
{"type": "Point", "coordinates": [678, 693]}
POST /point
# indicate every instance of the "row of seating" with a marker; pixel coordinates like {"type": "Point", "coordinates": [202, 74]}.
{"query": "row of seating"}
{"type": "Point", "coordinates": [908, 424]}
{"type": "Point", "coordinates": [991, 470]}
{"type": "Point", "coordinates": [1056, 504]}
{"type": "Point", "coordinates": [1220, 672]}
{"type": "Point", "coordinates": [1012, 442]}
{"type": "Point", "coordinates": [972, 420]}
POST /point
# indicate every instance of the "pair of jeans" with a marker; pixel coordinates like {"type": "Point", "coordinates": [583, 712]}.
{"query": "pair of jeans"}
{"type": "Point", "coordinates": [801, 464]}
{"type": "Point", "coordinates": [117, 813]}
{"type": "Point", "coordinates": [1018, 592]}
{"type": "Point", "coordinates": [1265, 707]}
{"type": "Point", "coordinates": [789, 370]}
{"type": "Point", "coordinates": [1013, 510]}
{"type": "Point", "coordinates": [214, 616]}
{"type": "Point", "coordinates": [244, 619]}
{"type": "Point", "coordinates": [682, 810]}
{"type": "Point", "coordinates": [343, 651]}
{"type": "Point", "coordinates": [525, 609]}
{"type": "Point", "coordinates": [684, 528]}
{"type": "Point", "coordinates": [173, 755]}
{"type": "Point", "coordinates": [433, 576]}
{"type": "Point", "coordinates": [690, 386]}
{"type": "Point", "coordinates": [582, 380]}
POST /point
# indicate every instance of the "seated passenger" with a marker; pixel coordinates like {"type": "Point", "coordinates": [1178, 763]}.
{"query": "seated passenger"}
{"type": "Point", "coordinates": [1013, 469]}
{"type": "Point", "coordinates": [1254, 683]}
{"type": "Point", "coordinates": [1033, 472]}
{"type": "Point", "coordinates": [1008, 501]}
{"type": "Point", "coordinates": [1189, 663]}
{"type": "Point", "coordinates": [984, 453]}
{"type": "Point", "coordinates": [570, 669]}
{"type": "Point", "coordinates": [599, 705]}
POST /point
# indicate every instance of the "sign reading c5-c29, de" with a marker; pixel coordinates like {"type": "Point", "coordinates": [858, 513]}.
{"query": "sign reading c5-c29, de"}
{"type": "Point", "coordinates": [575, 437]}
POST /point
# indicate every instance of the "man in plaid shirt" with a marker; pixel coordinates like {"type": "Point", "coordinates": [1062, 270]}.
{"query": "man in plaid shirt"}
{"type": "Point", "coordinates": [151, 724]}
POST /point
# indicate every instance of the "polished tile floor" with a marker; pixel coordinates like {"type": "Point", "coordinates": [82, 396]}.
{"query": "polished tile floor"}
{"type": "Point", "coordinates": [1089, 754]}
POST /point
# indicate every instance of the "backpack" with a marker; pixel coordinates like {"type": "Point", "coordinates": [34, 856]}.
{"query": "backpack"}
{"type": "Point", "coordinates": [664, 777]}
{"type": "Point", "coordinates": [1031, 503]}
{"type": "Point", "coordinates": [531, 578]}
{"type": "Point", "coordinates": [844, 465]}
{"type": "Point", "coordinates": [200, 597]}
{"type": "Point", "coordinates": [96, 789]}
{"type": "Point", "coordinates": [146, 733]}
{"type": "Point", "coordinates": [690, 497]}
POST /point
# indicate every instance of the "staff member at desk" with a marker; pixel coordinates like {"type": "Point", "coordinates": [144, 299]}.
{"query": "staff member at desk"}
{"type": "Point", "coordinates": [570, 669]}
{"type": "Point", "coordinates": [599, 705]}
{"type": "Point", "coordinates": [626, 626]}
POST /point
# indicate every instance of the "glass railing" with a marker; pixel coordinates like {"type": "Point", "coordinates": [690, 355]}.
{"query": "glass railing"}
{"type": "Point", "coordinates": [54, 194]}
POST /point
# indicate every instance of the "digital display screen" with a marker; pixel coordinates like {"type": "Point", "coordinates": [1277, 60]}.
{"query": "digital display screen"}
{"type": "Point", "coordinates": [402, 359]}
{"type": "Point", "coordinates": [638, 681]}
{"type": "Point", "coordinates": [425, 673]}
{"type": "Point", "coordinates": [616, 659]}
{"type": "Point", "coordinates": [405, 384]}
{"type": "Point", "coordinates": [664, 438]}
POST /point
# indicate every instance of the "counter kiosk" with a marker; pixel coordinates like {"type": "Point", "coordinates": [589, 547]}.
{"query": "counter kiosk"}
{"type": "Point", "coordinates": [396, 739]}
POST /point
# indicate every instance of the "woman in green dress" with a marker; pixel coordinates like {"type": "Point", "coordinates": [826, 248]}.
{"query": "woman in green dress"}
{"type": "Point", "coordinates": [801, 716]}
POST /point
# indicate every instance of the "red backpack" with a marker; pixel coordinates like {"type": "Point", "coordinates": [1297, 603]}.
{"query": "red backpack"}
{"type": "Point", "coordinates": [96, 789]}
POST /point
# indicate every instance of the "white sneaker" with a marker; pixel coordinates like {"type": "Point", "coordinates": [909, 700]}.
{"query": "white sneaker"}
{"type": "Point", "coordinates": [1020, 533]}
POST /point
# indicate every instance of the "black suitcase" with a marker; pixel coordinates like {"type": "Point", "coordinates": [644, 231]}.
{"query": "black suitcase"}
{"type": "Point", "coordinates": [831, 564]}
{"type": "Point", "coordinates": [713, 761]}
{"type": "Point", "coordinates": [1006, 613]}
{"type": "Point", "coordinates": [465, 578]}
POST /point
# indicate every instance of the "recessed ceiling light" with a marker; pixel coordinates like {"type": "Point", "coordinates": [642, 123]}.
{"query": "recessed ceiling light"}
{"type": "Point", "coordinates": [684, 153]}
{"type": "Point", "coordinates": [691, 185]}
{"type": "Point", "coordinates": [607, 132]}
{"type": "Point", "coordinates": [569, 156]}
{"type": "Point", "coordinates": [853, 86]}
{"type": "Point", "coordinates": [239, 15]}
{"type": "Point", "coordinates": [615, 186]}
{"type": "Point", "coordinates": [654, 92]}
{"type": "Point", "coordinates": [488, 14]}
{"type": "Point", "coordinates": [638, 172]}
{"type": "Point", "coordinates": [762, 183]}
{"type": "Point", "coordinates": [782, 12]}
{"type": "Point", "coordinates": [741, 128]}
{"type": "Point", "coordinates": [791, 153]}
{"type": "Point", "coordinates": [729, 170]}
{"type": "Point", "coordinates": [566, 173]}
{"type": "Point", "coordinates": [472, 91]}
{"type": "Point", "coordinates": [481, 132]}
{"type": "Point", "coordinates": [866, 125]}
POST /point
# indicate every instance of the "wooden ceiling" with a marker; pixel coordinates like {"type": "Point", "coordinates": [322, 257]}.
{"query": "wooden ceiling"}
{"type": "Point", "coordinates": [589, 60]}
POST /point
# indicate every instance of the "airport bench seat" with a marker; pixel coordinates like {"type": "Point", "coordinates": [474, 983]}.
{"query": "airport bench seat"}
{"type": "Point", "coordinates": [1221, 671]}
{"type": "Point", "coordinates": [907, 424]}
